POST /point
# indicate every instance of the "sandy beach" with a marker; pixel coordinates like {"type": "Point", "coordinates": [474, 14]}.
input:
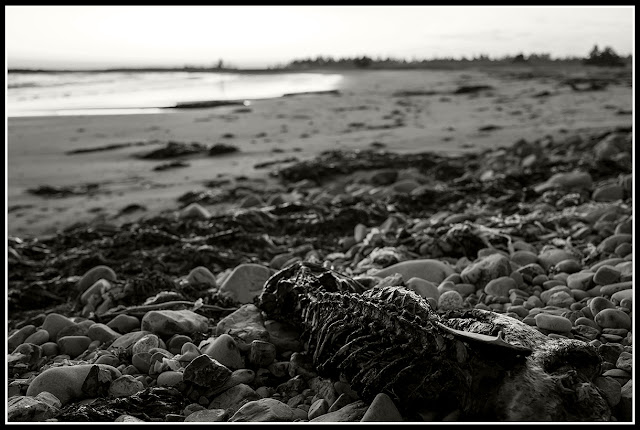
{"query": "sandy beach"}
{"type": "Point", "coordinates": [405, 110]}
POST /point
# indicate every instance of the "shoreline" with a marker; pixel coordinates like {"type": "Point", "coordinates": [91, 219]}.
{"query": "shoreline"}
{"type": "Point", "coordinates": [367, 110]}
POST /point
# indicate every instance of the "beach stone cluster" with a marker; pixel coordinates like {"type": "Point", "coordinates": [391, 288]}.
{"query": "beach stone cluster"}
{"type": "Point", "coordinates": [563, 264]}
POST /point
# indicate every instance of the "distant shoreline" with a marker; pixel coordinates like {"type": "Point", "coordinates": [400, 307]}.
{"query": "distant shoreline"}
{"type": "Point", "coordinates": [332, 68]}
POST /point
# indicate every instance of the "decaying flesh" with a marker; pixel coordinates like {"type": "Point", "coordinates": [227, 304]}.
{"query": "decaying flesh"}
{"type": "Point", "coordinates": [388, 339]}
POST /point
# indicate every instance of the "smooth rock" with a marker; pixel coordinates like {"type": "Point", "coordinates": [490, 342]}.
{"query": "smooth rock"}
{"type": "Point", "coordinates": [561, 299]}
{"type": "Point", "coordinates": [609, 244]}
{"type": "Point", "coordinates": [553, 256]}
{"type": "Point", "coordinates": [553, 323]}
{"type": "Point", "coordinates": [423, 287]}
{"type": "Point", "coordinates": [575, 180]}
{"type": "Point", "coordinates": [599, 303]}
{"type": "Point", "coordinates": [224, 349]}
{"type": "Point", "coordinates": [246, 323]}
{"type": "Point", "coordinates": [168, 322]}
{"type": "Point", "coordinates": [610, 290]}
{"type": "Point", "coordinates": [319, 407]}
{"type": "Point", "coordinates": [175, 342]}
{"type": "Point", "coordinates": [430, 270]}
{"type": "Point", "coordinates": [66, 382]}
{"type": "Point", "coordinates": [483, 270]}
{"type": "Point", "coordinates": [450, 300]}
{"type": "Point", "coordinates": [263, 410]}
{"type": "Point", "coordinates": [284, 336]}
{"type": "Point", "coordinates": [234, 398]}
{"type": "Point", "coordinates": [40, 337]}
{"type": "Point", "coordinates": [608, 193]}
{"type": "Point", "coordinates": [613, 318]}
{"type": "Point", "coordinates": [170, 378]}
{"type": "Point", "coordinates": [103, 333]}
{"type": "Point", "coordinates": [202, 276]}
{"type": "Point", "coordinates": [20, 336]}
{"type": "Point", "coordinates": [146, 343]}
{"type": "Point", "coordinates": [523, 257]}
{"type": "Point", "coordinates": [124, 323]}
{"type": "Point", "coordinates": [50, 349]}
{"type": "Point", "coordinates": [194, 211]}
{"type": "Point", "coordinates": [73, 346]}
{"type": "Point", "coordinates": [606, 275]}
{"type": "Point", "coordinates": [245, 282]}
{"type": "Point", "coordinates": [569, 266]}
{"type": "Point", "coordinates": [382, 409]}
{"type": "Point", "coordinates": [94, 275]}
{"type": "Point", "coordinates": [125, 386]}
{"type": "Point", "coordinates": [54, 322]}
{"type": "Point", "coordinates": [352, 412]}
{"type": "Point", "coordinates": [207, 416]}
{"type": "Point", "coordinates": [622, 295]}
{"type": "Point", "coordinates": [206, 372]}
{"type": "Point", "coordinates": [500, 286]}
{"type": "Point", "coordinates": [124, 418]}
{"type": "Point", "coordinates": [580, 281]}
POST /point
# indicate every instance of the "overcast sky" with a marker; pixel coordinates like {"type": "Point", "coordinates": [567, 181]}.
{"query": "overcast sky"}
{"type": "Point", "coordinates": [255, 36]}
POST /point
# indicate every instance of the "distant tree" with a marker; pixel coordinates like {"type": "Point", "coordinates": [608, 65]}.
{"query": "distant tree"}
{"type": "Point", "coordinates": [362, 62]}
{"type": "Point", "coordinates": [519, 59]}
{"type": "Point", "coordinates": [607, 58]}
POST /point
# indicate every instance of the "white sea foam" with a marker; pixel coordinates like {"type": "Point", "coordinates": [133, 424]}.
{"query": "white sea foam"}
{"type": "Point", "coordinates": [103, 93]}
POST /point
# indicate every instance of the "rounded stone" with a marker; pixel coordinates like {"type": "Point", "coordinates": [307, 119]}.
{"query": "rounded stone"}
{"type": "Point", "coordinates": [40, 337]}
{"type": "Point", "coordinates": [450, 300]}
{"type": "Point", "coordinates": [608, 193]}
{"type": "Point", "coordinates": [263, 410]}
{"type": "Point", "coordinates": [170, 378]}
{"type": "Point", "coordinates": [20, 336]}
{"type": "Point", "coordinates": [423, 287]}
{"type": "Point", "coordinates": [103, 333]}
{"type": "Point", "coordinates": [580, 281]}
{"type": "Point", "coordinates": [382, 409]}
{"type": "Point", "coordinates": [194, 211]}
{"type": "Point", "coordinates": [427, 269]}
{"type": "Point", "coordinates": [73, 346]}
{"type": "Point", "coordinates": [613, 318]}
{"type": "Point", "coordinates": [66, 382]}
{"type": "Point", "coordinates": [125, 386]}
{"type": "Point", "coordinates": [94, 275]}
{"type": "Point", "coordinates": [168, 322]}
{"type": "Point", "coordinates": [174, 344]}
{"type": "Point", "coordinates": [561, 299]}
{"type": "Point", "coordinates": [523, 257]}
{"type": "Point", "coordinates": [124, 323]}
{"type": "Point", "coordinates": [606, 275]}
{"type": "Point", "coordinates": [207, 416]}
{"type": "Point", "coordinates": [500, 286]}
{"type": "Point", "coordinates": [202, 275]}
{"type": "Point", "coordinates": [245, 282]}
{"type": "Point", "coordinates": [599, 303]}
{"type": "Point", "coordinates": [146, 343]}
{"type": "Point", "coordinates": [50, 349]}
{"type": "Point", "coordinates": [97, 289]}
{"type": "Point", "coordinates": [54, 322]}
{"type": "Point", "coordinates": [553, 256]}
{"type": "Point", "coordinates": [569, 266]}
{"type": "Point", "coordinates": [553, 323]}
{"type": "Point", "coordinates": [142, 361]}
{"type": "Point", "coordinates": [485, 269]}
{"type": "Point", "coordinates": [224, 349]}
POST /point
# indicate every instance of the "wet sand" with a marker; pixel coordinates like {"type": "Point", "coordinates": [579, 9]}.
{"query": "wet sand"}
{"type": "Point", "coordinates": [404, 110]}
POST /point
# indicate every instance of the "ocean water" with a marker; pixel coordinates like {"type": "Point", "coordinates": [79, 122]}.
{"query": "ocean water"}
{"type": "Point", "coordinates": [100, 93]}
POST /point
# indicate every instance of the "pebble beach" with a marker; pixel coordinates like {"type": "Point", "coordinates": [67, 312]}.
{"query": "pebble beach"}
{"type": "Point", "coordinates": [146, 309]}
